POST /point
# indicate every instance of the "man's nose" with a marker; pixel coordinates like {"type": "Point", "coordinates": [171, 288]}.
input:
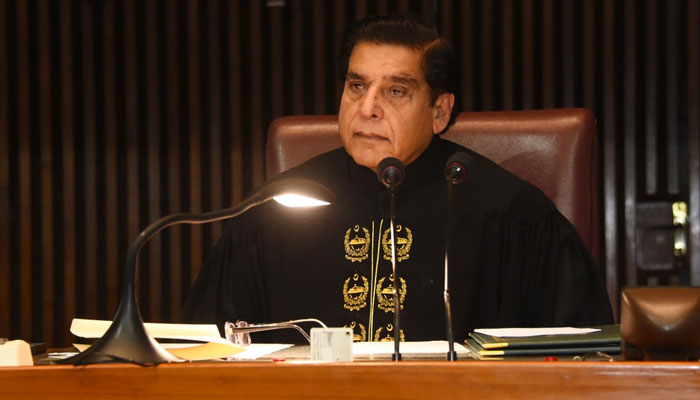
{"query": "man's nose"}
{"type": "Point", "coordinates": [371, 106]}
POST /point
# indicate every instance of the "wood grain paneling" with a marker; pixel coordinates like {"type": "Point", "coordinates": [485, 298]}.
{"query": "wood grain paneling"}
{"type": "Point", "coordinates": [114, 113]}
{"type": "Point", "coordinates": [610, 132]}
{"type": "Point", "coordinates": [68, 298]}
{"type": "Point", "coordinates": [693, 51]}
{"type": "Point", "coordinates": [25, 265]}
{"type": "Point", "coordinates": [630, 130]}
{"type": "Point", "coordinates": [44, 316]}
{"type": "Point", "coordinates": [4, 179]}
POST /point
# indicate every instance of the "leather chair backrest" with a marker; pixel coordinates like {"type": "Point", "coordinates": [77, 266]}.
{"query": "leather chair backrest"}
{"type": "Point", "coordinates": [556, 150]}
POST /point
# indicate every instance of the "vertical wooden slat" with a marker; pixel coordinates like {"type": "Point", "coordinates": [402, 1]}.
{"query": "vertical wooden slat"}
{"type": "Point", "coordinates": [195, 124]}
{"type": "Point", "coordinates": [339, 27]}
{"type": "Point", "coordinates": [630, 131]}
{"type": "Point", "coordinates": [672, 24]}
{"type": "Point", "coordinates": [155, 269]}
{"type": "Point", "coordinates": [609, 130]}
{"type": "Point", "coordinates": [588, 76]}
{"type": "Point", "coordinates": [298, 87]}
{"type": "Point", "coordinates": [276, 63]}
{"type": "Point", "coordinates": [548, 54]}
{"type": "Point", "coordinates": [319, 55]}
{"type": "Point", "coordinates": [215, 115]}
{"type": "Point", "coordinates": [360, 9]}
{"type": "Point", "coordinates": [173, 129]}
{"type": "Point", "coordinates": [426, 7]}
{"type": "Point", "coordinates": [382, 6]}
{"type": "Point", "coordinates": [234, 47]}
{"type": "Point", "coordinates": [112, 261]}
{"type": "Point", "coordinates": [528, 55]}
{"type": "Point", "coordinates": [68, 179]}
{"type": "Point", "coordinates": [467, 54]}
{"type": "Point", "coordinates": [446, 30]}
{"type": "Point", "coordinates": [4, 181]}
{"type": "Point", "coordinates": [487, 56]}
{"type": "Point", "coordinates": [256, 101]}
{"type": "Point", "coordinates": [567, 53]}
{"type": "Point", "coordinates": [25, 192]}
{"type": "Point", "coordinates": [47, 267]}
{"type": "Point", "coordinates": [133, 224]}
{"type": "Point", "coordinates": [651, 97]}
{"type": "Point", "coordinates": [507, 78]}
{"type": "Point", "coordinates": [693, 49]}
{"type": "Point", "coordinates": [89, 157]}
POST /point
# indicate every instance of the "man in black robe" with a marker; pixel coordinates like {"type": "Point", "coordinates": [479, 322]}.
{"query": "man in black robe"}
{"type": "Point", "coordinates": [516, 260]}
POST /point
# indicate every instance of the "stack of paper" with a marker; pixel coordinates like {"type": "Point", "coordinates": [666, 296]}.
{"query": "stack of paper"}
{"type": "Point", "coordinates": [211, 345]}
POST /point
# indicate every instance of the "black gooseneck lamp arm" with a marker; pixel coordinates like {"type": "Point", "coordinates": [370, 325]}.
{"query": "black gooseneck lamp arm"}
{"type": "Point", "coordinates": [127, 340]}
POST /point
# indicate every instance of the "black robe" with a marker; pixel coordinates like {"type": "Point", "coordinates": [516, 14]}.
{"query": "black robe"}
{"type": "Point", "coordinates": [516, 261]}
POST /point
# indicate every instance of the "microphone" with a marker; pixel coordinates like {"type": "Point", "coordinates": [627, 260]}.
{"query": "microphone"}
{"type": "Point", "coordinates": [391, 173]}
{"type": "Point", "coordinates": [456, 167]}
{"type": "Point", "coordinates": [456, 172]}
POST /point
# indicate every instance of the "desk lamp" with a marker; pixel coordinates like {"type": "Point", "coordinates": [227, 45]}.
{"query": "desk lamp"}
{"type": "Point", "coordinates": [126, 340]}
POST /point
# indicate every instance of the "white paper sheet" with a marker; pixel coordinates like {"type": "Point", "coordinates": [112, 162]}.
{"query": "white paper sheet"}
{"type": "Point", "coordinates": [256, 350]}
{"type": "Point", "coordinates": [429, 347]}
{"type": "Point", "coordinates": [528, 332]}
{"type": "Point", "coordinates": [214, 345]}
{"type": "Point", "coordinates": [94, 328]}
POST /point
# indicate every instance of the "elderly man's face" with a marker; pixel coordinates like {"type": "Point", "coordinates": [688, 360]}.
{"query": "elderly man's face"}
{"type": "Point", "coordinates": [385, 110]}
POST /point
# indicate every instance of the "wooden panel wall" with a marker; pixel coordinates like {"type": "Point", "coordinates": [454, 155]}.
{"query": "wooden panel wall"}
{"type": "Point", "coordinates": [114, 113]}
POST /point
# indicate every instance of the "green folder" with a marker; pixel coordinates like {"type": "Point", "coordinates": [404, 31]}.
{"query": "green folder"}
{"type": "Point", "coordinates": [607, 339]}
{"type": "Point", "coordinates": [538, 352]}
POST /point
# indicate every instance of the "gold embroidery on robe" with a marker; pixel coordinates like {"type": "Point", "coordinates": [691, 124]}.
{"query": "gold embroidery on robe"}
{"type": "Point", "coordinates": [357, 247]}
{"type": "Point", "coordinates": [404, 240]}
{"type": "Point", "coordinates": [356, 296]}
{"type": "Point", "coordinates": [389, 337]}
{"type": "Point", "coordinates": [385, 294]}
{"type": "Point", "coordinates": [358, 337]}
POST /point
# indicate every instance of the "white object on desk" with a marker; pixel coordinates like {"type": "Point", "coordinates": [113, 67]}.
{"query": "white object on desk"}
{"type": "Point", "coordinates": [331, 344]}
{"type": "Point", "coordinates": [15, 353]}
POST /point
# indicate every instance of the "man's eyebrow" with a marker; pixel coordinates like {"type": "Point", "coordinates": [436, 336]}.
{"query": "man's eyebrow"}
{"type": "Point", "coordinates": [404, 79]}
{"type": "Point", "coordinates": [354, 75]}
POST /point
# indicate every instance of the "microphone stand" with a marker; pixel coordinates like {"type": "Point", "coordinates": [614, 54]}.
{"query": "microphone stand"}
{"type": "Point", "coordinates": [451, 353]}
{"type": "Point", "coordinates": [456, 172]}
{"type": "Point", "coordinates": [397, 327]}
{"type": "Point", "coordinates": [391, 172]}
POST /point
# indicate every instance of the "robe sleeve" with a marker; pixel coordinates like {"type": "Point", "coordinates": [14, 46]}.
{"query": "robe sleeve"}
{"type": "Point", "coordinates": [230, 286]}
{"type": "Point", "coordinates": [548, 276]}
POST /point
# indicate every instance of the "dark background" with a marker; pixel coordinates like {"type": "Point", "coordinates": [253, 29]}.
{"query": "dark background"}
{"type": "Point", "coordinates": [114, 113]}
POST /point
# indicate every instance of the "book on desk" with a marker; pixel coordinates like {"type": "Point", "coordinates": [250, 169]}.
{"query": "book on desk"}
{"type": "Point", "coordinates": [605, 339]}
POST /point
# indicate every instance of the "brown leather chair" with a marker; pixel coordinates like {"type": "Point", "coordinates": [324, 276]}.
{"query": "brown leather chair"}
{"type": "Point", "coordinates": [556, 150]}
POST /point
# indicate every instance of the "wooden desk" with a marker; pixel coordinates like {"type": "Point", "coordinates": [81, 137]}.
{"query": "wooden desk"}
{"type": "Point", "coordinates": [387, 380]}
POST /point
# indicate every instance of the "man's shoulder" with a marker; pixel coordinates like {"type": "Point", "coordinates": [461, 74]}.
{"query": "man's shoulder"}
{"type": "Point", "coordinates": [325, 166]}
{"type": "Point", "coordinates": [498, 188]}
{"type": "Point", "coordinates": [321, 165]}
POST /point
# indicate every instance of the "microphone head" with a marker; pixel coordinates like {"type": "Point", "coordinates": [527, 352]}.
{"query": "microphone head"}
{"type": "Point", "coordinates": [458, 166]}
{"type": "Point", "coordinates": [390, 172]}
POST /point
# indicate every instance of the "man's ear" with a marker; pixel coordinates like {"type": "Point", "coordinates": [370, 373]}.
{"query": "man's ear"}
{"type": "Point", "coordinates": [442, 109]}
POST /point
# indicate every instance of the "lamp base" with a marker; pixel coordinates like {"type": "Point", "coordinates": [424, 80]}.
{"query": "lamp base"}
{"type": "Point", "coordinates": [126, 341]}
